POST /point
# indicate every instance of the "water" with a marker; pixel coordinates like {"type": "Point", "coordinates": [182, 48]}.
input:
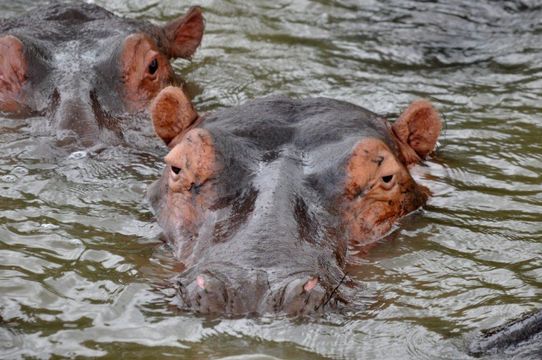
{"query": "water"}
{"type": "Point", "coordinates": [81, 263]}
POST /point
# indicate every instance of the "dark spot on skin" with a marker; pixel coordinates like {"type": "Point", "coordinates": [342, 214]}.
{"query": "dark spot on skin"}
{"type": "Point", "coordinates": [307, 227]}
{"type": "Point", "coordinates": [55, 100]}
{"type": "Point", "coordinates": [242, 206]}
{"type": "Point", "coordinates": [195, 189]}
{"type": "Point", "coordinates": [270, 156]}
{"type": "Point", "coordinates": [102, 117]}
{"type": "Point", "coordinates": [359, 193]}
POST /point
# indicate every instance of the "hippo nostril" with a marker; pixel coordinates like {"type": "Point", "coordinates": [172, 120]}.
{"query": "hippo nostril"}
{"type": "Point", "coordinates": [309, 285]}
{"type": "Point", "coordinates": [200, 281]}
{"type": "Point", "coordinates": [302, 296]}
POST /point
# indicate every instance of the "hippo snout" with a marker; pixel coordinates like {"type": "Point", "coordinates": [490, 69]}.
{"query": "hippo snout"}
{"type": "Point", "coordinates": [218, 293]}
{"type": "Point", "coordinates": [76, 120]}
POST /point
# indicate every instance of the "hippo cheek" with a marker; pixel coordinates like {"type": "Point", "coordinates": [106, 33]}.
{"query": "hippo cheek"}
{"type": "Point", "coordinates": [183, 214]}
{"type": "Point", "coordinates": [370, 219]}
{"type": "Point", "coordinates": [193, 162]}
{"type": "Point", "coordinates": [13, 72]}
{"type": "Point", "coordinates": [189, 179]}
{"type": "Point", "coordinates": [378, 190]}
{"type": "Point", "coordinates": [145, 71]}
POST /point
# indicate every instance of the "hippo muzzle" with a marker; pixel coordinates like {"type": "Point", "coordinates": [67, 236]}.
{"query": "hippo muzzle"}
{"type": "Point", "coordinates": [255, 247]}
{"type": "Point", "coordinates": [250, 292]}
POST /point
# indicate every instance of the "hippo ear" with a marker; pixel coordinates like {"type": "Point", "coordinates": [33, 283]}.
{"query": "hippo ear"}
{"type": "Point", "coordinates": [417, 130]}
{"type": "Point", "coordinates": [13, 69]}
{"type": "Point", "coordinates": [185, 33]}
{"type": "Point", "coordinates": [172, 114]}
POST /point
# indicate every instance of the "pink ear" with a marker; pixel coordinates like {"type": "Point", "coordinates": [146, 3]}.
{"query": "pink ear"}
{"type": "Point", "coordinates": [185, 33]}
{"type": "Point", "coordinates": [172, 114]}
{"type": "Point", "coordinates": [418, 127]}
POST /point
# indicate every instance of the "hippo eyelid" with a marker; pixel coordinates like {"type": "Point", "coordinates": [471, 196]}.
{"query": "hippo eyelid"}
{"type": "Point", "coordinates": [176, 170]}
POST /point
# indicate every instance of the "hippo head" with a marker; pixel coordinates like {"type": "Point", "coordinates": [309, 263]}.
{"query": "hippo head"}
{"type": "Point", "coordinates": [85, 68]}
{"type": "Point", "coordinates": [261, 201]}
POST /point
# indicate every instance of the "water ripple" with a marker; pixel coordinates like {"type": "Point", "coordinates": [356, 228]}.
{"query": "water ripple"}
{"type": "Point", "coordinates": [82, 271]}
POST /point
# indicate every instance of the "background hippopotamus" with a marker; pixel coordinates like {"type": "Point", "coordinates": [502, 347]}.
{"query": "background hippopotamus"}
{"type": "Point", "coordinates": [260, 201]}
{"type": "Point", "coordinates": [85, 68]}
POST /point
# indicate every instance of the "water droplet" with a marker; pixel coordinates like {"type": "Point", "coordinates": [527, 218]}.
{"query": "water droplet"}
{"type": "Point", "coordinates": [49, 226]}
{"type": "Point", "coordinates": [8, 178]}
{"type": "Point", "coordinates": [19, 171]}
{"type": "Point", "coordinates": [78, 155]}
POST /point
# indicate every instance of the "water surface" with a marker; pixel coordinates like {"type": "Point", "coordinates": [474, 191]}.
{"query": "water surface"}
{"type": "Point", "coordinates": [82, 267]}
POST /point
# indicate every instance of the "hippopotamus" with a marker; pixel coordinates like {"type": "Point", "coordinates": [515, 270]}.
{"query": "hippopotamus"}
{"type": "Point", "coordinates": [519, 338]}
{"type": "Point", "coordinates": [85, 68]}
{"type": "Point", "coordinates": [261, 202]}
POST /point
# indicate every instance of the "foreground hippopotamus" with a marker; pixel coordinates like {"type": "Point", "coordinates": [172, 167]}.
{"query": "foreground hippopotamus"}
{"type": "Point", "coordinates": [261, 201]}
{"type": "Point", "coordinates": [85, 68]}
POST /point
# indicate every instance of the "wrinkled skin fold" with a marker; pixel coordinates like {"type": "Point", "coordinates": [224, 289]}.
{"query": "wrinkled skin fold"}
{"type": "Point", "coordinates": [88, 71]}
{"type": "Point", "coordinates": [261, 201]}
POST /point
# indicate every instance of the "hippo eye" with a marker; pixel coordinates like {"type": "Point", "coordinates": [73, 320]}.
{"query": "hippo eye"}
{"type": "Point", "coordinates": [176, 170]}
{"type": "Point", "coordinates": [387, 178]}
{"type": "Point", "coordinates": [153, 66]}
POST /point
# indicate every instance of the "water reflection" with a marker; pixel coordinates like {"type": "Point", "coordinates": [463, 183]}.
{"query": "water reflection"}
{"type": "Point", "coordinates": [82, 270]}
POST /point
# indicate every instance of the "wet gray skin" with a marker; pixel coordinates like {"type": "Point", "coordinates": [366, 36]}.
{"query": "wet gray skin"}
{"type": "Point", "coordinates": [266, 234]}
{"type": "Point", "coordinates": [520, 338]}
{"type": "Point", "coordinates": [77, 69]}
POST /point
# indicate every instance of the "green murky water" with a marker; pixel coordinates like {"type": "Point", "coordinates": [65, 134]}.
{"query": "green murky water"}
{"type": "Point", "coordinates": [81, 261]}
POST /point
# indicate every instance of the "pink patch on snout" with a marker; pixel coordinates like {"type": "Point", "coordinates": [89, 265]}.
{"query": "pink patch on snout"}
{"type": "Point", "coordinates": [200, 281]}
{"type": "Point", "coordinates": [309, 285]}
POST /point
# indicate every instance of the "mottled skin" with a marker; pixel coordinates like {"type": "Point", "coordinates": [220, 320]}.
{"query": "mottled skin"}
{"type": "Point", "coordinates": [520, 338]}
{"type": "Point", "coordinates": [261, 201]}
{"type": "Point", "coordinates": [86, 69]}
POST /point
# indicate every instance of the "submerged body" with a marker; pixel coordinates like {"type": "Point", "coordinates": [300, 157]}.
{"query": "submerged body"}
{"type": "Point", "coordinates": [520, 338]}
{"type": "Point", "coordinates": [85, 68]}
{"type": "Point", "coordinates": [261, 201]}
